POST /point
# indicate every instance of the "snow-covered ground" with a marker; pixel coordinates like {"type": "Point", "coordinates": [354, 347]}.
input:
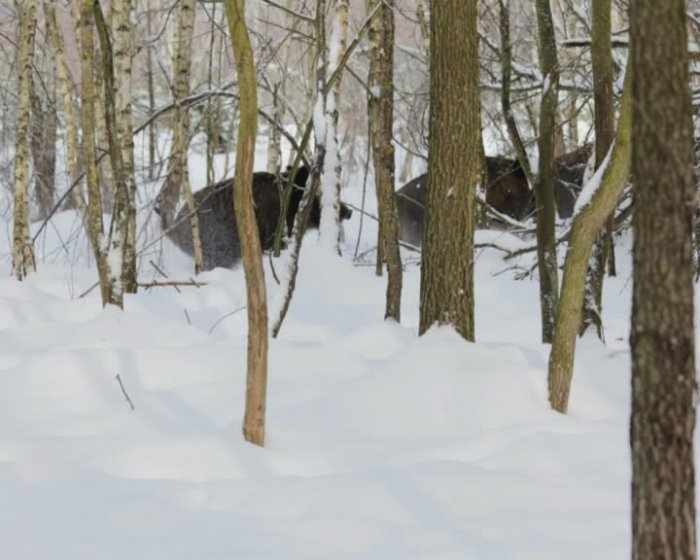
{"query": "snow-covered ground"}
{"type": "Point", "coordinates": [380, 444]}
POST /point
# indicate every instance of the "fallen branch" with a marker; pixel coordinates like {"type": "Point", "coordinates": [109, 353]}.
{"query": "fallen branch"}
{"type": "Point", "coordinates": [126, 395]}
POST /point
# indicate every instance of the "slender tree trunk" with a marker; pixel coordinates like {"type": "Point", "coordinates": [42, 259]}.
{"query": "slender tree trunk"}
{"type": "Point", "coordinates": [64, 82]}
{"type": "Point", "coordinates": [121, 31]}
{"type": "Point", "coordinates": [588, 223]}
{"type": "Point", "coordinates": [118, 232]}
{"type": "Point", "coordinates": [601, 55]}
{"type": "Point", "coordinates": [330, 182]}
{"type": "Point", "coordinates": [545, 184]}
{"type": "Point", "coordinates": [175, 180]}
{"type": "Point", "coordinates": [254, 421]}
{"type": "Point", "coordinates": [506, 68]}
{"type": "Point", "coordinates": [43, 144]}
{"type": "Point", "coordinates": [87, 119]}
{"type": "Point", "coordinates": [454, 169]}
{"type": "Point", "coordinates": [662, 335]}
{"type": "Point", "coordinates": [381, 114]}
{"type": "Point", "coordinates": [22, 250]}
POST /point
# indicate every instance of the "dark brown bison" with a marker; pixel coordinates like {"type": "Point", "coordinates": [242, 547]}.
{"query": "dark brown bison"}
{"type": "Point", "coordinates": [217, 221]}
{"type": "Point", "coordinates": [570, 169]}
{"type": "Point", "coordinates": [507, 191]}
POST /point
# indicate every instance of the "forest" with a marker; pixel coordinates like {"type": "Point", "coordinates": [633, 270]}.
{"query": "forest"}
{"type": "Point", "coordinates": [373, 279]}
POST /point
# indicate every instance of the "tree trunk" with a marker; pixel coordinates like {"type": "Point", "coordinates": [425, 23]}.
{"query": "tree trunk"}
{"type": "Point", "coordinates": [175, 181]}
{"type": "Point", "coordinates": [87, 119]}
{"type": "Point", "coordinates": [662, 336]}
{"type": "Point", "coordinates": [121, 31]}
{"type": "Point", "coordinates": [22, 250]}
{"type": "Point", "coordinates": [64, 82]}
{"type": "Point", "coordinates": [118, 231]}
{"type": "Point", "coordinates": [587, 225]}
{"type": "Point", "coordinates": [256, 388]}
{"type": "Point", "coordinates": [329, 58]}
{"type": "Point", "coordinates": [604, 113]}
{"type": "Point", "coordinates": [454, 169]}
{"type": "Point", "coordinates": [43, 144]}
{"type": "Point", "coordinates": [545, 184]}
{"type": "Point", "coordinates": [381, 115]}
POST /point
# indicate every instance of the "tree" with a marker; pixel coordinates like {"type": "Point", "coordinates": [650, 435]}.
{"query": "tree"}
{"type": "Point", "coordinates": [545, 183]}
{"type": "Point", "coordinates": [381, 123]}
{"type": "Point", "coordinates": [604, 113]}
{"type": "Point", "coordinates": [608, 183]}
{"type": "Point", "coordinates": [22, 249]}
{"type": "Point", "coordinates": [89, 152]}
{"type": "Point", "coordinates": [121, 31]}
{"type": "Point", "coordinates": [662, 336]}
{"type": "Point", "coordinates": [256, 385]}
{"type": "Point", "coordinates": [177, 179]}
{"type": "Point", "coordinates": [447, 276]}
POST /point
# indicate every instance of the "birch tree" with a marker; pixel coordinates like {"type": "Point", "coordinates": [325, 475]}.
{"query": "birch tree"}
{"type": "Point", "coordinates": [122, 33]}
{"type": "Point", "coordinates": [22, 249]}
{"type": "Point", "coordinates": [330, 183]}
{"type": "Point", "coordinates": [177, 179]}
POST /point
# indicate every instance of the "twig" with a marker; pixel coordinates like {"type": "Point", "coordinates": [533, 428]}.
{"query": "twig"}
{"type": "Point", "coordinates": [224, 317]}
{"type": "Point", "coordinates": [86, 292]}
{"type": "Point", "coordinates": [119, 379]}
{"type": "Point", "coordinates": [171, 283]}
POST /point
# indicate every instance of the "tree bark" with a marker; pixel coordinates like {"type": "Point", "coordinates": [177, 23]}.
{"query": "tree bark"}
{"type": "Point", "coordinates": [545, 183]}
{"type": "Point", "coordinates": [87, 120]}
{"type": "Point", "coordinates": [381, 121]}
{"type": "Point", "coordinates": [256, 387]}
{"type": "Point", "coordinates": [662, 336]}
{"type": "Point", "coordinates": [64, 82]}
{"type": "Point", "coordinates": [587, 225]}
{"type": "Point", "coordinates": [454, 169]}
{"type": "Point", "coordinates": [22, 249]}
{"type": "Point", "coordinates": [176, 180]}
{"type": "Point", "coordinates": [604, 117]}
{"type": "Point", "coordinates": [123, 50]}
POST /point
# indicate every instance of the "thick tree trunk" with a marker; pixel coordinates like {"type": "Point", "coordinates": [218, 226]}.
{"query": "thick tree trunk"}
{"type": "Point", "coordinates": [454, 169]}
{"type": "Point", "coordinates": [545, 184]}
{"type": "Point", "coordinates": [22, 250]}
{"type": "Point", "coordinates": [662, 339]}
{"type": "Point", "coordinates": [256, 388]}
{"type": "Point", "coordinates": [43, 144]}
{"type": "Point", "coordinates": [586, 227]}
{"type": "Point", "coordinates": [381, 120]}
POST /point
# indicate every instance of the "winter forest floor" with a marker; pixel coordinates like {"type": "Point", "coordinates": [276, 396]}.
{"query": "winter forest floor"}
{"type": "Point", "coordinates": [380, 444]}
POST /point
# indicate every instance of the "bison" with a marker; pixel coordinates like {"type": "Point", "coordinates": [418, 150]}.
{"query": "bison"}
{"type": "Point", "coordinates": [217, 221]}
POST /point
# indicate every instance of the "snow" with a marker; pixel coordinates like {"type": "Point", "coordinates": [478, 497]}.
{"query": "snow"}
{"type": "Point", "coordinates": [380, 444]}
